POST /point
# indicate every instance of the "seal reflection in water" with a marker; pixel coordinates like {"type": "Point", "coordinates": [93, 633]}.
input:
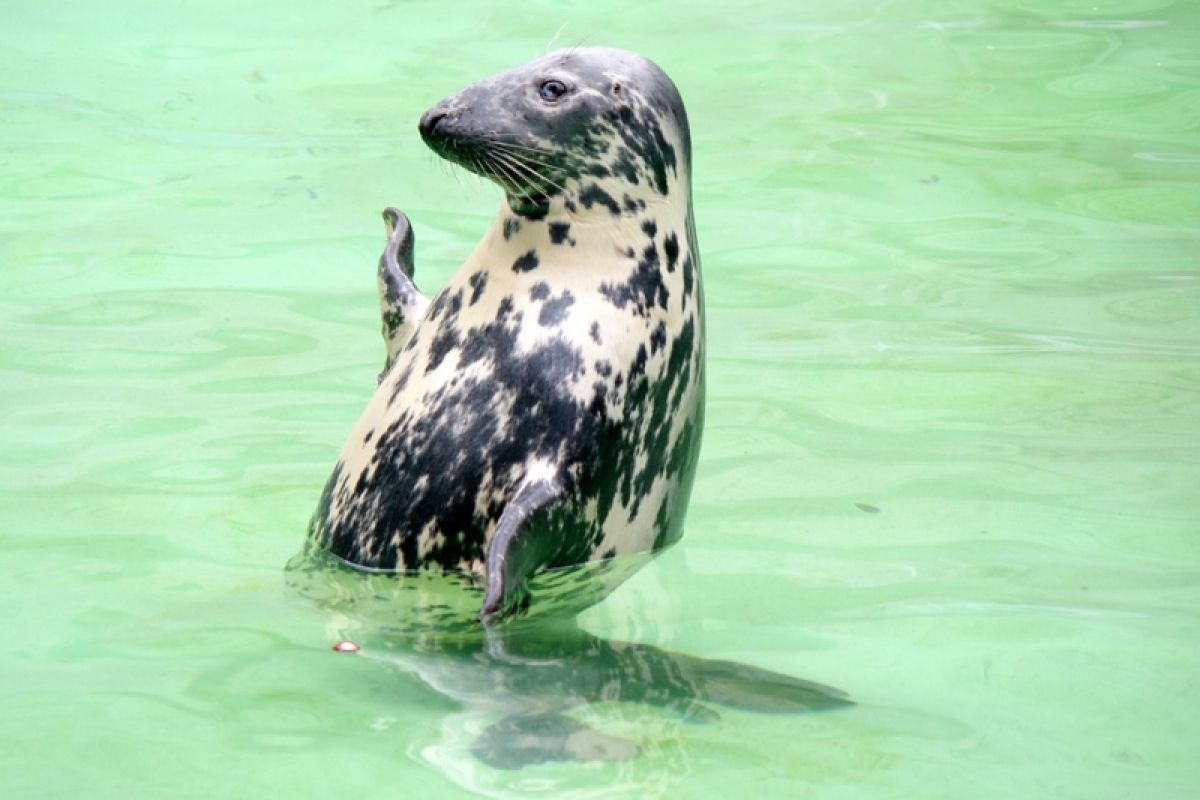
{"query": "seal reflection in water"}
{"type": "Point", "coordinates": [539, 689]}
{"type": "Point", "coordinates": [545, 409]}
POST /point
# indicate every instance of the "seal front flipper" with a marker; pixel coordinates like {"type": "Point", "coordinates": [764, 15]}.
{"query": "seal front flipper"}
{"type": "Point", "coordinates": [517, 550]}
{"type": "Point", "coordinates": [401, 304]}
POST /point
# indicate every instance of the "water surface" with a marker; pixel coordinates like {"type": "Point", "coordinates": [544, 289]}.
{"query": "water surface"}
{"type": "Point", "coordinates": [952, 456]}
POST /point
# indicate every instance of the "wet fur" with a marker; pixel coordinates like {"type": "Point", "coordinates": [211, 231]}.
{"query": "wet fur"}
{"type": "Point", "coordinates": [558, 378]}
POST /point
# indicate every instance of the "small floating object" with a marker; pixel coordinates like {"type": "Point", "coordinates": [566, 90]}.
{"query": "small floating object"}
{"type": "Point", "coordinates": [346, 646]}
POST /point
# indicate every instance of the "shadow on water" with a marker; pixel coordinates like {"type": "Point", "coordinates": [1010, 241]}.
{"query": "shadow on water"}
{"type": "Point", "coordinates": [522, 685]}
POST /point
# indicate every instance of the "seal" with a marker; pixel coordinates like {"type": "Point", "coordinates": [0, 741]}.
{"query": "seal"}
{"type": "Point", "coordinates": [545, 410]}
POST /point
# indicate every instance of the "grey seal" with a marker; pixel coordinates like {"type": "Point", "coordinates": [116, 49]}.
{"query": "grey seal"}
{"type": "Point", "coordinates": [545, 410]}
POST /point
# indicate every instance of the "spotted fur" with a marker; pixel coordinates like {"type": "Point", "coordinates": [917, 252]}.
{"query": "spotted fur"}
{"type": "Point", "coordinates": [546, 409]}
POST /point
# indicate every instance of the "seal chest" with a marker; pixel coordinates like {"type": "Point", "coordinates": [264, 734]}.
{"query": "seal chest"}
{"type": "Point", "coordinates": [545, 409]}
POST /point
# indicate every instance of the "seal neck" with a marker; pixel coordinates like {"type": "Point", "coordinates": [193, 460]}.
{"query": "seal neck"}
{"type": "Point", "coordinates": [604, 201]}
{"type": "Point", "coordinates": [533, 209]}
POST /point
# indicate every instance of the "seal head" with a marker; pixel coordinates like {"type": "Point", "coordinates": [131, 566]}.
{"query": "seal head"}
{"type": "Point", "coordinates": [559, 119]}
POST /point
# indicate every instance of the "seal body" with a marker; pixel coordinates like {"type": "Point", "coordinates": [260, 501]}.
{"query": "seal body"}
{"type": "Point", "coordinates": [546, 408]}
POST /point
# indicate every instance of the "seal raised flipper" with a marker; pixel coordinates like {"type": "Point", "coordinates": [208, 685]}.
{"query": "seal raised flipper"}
{"type": "Point", "coordinates": [401, 304]}
{"type": "Point", "coordinates": [515, 551]}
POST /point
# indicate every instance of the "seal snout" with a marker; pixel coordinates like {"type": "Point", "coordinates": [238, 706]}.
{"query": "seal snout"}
{"type": "Point", "coordinates": [430, 121]}
{"type": "Point", "coordinates": [445, 131]}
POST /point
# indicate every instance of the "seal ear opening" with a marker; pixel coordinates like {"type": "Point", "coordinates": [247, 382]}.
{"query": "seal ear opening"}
{"type": "Point", "coordinates": [517, 550]}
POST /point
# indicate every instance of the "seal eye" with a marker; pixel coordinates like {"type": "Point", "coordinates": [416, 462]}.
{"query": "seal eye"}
{"type": "Point", "coordinates": [551, 91]}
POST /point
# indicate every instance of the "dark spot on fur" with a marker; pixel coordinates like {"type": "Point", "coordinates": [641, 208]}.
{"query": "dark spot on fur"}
{"type": "Point", "coordinates": [671, 249]}
{"type": "Point", "coordinates": [660, 160]}
{"type": "Point", "coordinates": [599, 400]}
{"type": "Point", "coordinates": [526, 263]}
{"type": "Point", "coordinates": [512, 226]}
{"type": "Point", "coordinates": [392, 320]}
{"type": "Point", "coordinates": [658, 339]}
{"type": "Point", "coordinates": [644, 287]}
{"type": "Point", "coordinates": [539, 291]}
{"type": "Point", "coordinates": [594, 331]}
{"type": "Point", "coordinates": [559, 232]}
{"type": "Point", "coordinates": [642, 135]}
{"type": "Point", "coordinates": [445, 341]}
{"type": "Point", "coordinates": [435, 308]}
{"type": "Point", "coordinates": [401, 382]}
{"type": "Point", "coordinates": [625, 166]}
{"type": "Point", "coordinates": [593, 195]}
{"type": "Point", "coordinates": [638, 368]}
{"type": "Point", "coordinates": [555, 311]}
{"type": "Point", "coordinates": [478, 284]}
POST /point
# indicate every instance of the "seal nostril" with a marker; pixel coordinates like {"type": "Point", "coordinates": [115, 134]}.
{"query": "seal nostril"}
{"type": "Point", "coordinates": [430, 121]}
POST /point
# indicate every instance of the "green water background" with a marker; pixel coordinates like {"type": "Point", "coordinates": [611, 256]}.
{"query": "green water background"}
{"type": "Point", "coordinates": [952, 464]}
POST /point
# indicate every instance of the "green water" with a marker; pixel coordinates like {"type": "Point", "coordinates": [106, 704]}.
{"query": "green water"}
{"type": "Point", "coordinates": [952, 463]}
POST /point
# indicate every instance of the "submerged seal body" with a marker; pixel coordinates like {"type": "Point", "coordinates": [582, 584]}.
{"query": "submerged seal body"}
{"type": "Point", "coordinates": [546, 408]}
